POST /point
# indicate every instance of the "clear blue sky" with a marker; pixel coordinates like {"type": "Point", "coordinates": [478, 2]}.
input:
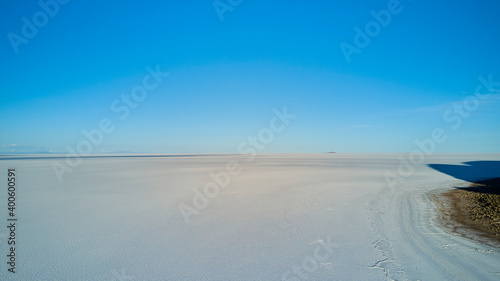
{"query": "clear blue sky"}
{"type": "Point", "coordinates": [227, 76]}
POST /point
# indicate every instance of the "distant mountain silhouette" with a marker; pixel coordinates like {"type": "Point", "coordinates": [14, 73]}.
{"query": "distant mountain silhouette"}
{"type": "Point", "coordinates": [470, 171]}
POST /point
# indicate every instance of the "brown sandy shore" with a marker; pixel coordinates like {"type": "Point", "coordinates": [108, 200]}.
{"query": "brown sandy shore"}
{"type": "Point", "coordinates": [473, 211]}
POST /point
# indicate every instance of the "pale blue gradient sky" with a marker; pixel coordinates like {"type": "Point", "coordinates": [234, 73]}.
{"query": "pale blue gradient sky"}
{"type": "Point", "coordinates": [227, 76]}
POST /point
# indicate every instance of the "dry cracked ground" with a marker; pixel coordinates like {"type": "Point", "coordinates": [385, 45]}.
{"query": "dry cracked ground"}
{"type": "Point", "coordinates": [474, 210]}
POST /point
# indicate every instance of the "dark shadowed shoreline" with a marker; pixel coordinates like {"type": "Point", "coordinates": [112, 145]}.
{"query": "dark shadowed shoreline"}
{"type": "Point", "coordinates": [473, 211]}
